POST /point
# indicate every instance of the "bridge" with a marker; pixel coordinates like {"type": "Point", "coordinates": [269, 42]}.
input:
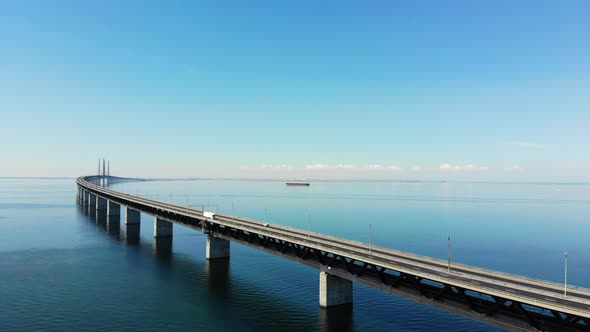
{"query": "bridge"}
{"type": "Point", "coordinates": [508, 301]}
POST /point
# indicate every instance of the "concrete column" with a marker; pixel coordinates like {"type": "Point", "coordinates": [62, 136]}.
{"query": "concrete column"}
{"type": "Point", "coordinates": [113, 217]}
{"type": "Point", "coordinates": [113, 224]}
{"type": "Point", "coordinates": [101, 203]}
{"type": "Point", "coordinates": [132, 216]}
{"type": "Point", "coordinates": [216, 248]}
{"type": "Point", "coordinates": [91, 199]}
{"type": "Point", "coordinates": [162, 228]}
{"type": "Point", "coordinates": [84, 198]}
{"type": "Point", "coordinates": [132, 233]}
{"type": "Point", "coordinates": [113, 209]}
{"type": "Point", "coordinates": [334, 290]}
{"type": "Point", "coordinates": [100, 216]}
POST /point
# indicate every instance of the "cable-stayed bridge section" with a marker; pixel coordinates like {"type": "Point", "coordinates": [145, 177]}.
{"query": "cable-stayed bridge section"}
{"type": "Point", "coordinates": [508, 301]}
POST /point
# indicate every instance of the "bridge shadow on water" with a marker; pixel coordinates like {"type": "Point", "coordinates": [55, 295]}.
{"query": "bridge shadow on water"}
{"type": "Point", "coordinates": [224, 295]}
{"type": "Point", "coordinates": [339, 318]}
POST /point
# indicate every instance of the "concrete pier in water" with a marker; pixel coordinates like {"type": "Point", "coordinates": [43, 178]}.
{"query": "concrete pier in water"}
{"type": "Point", "coordinates": [334, 290]}
{"type": "Point", "coordinates": [113, 209]}
{"type": "Point", "coordinates": [91, 199]}
{"type": "Point", "coordinates": [217, 248]}
{"type": "Point", "coordinates": [162, 227]}
{"type": "Point", "coordinates": [101, 203]}
{"type": "Point", "coordinates": [132, 217]}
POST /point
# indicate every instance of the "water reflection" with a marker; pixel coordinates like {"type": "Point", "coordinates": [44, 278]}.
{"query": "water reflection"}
{"type": "Point", "coordinates": [131, 235]}
{"type": "Point", "coordinates": [101, 218]}
{"type": "Point", "coordinates": [113, 225]}
{"type": "Point", "coordinates": [83, 209]}
{"type": "Point", "coordinates": [162, 248]}
{"type": "Point", "coordinates": [337, 318]}
{"type": "Point", "coordinates": [217, 271]}
{"type": "Point", "coordinates": [91, 213]}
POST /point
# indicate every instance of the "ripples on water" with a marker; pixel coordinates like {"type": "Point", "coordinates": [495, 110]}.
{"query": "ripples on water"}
{"type": "Point", "coordinates": [63, 270]}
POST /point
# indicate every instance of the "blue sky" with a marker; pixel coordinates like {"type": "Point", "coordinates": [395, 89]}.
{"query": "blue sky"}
{"type": "Point", "coordinates": [476, 90]}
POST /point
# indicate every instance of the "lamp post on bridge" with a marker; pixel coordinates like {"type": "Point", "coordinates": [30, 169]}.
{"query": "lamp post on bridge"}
{"type": "Point", "coordinates": [565, 276]}
{"type": "Point", "coordinates": [308, 222]}
{"type": "Point", "coordinates": [449, 254]}
{"type": "Point", "coordinates": [370, 231]}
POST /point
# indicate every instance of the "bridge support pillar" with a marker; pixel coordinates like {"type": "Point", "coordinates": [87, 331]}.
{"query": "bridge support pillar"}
{"type": "Point", "coordinates": [101, 203]}
{"type": "Point", "coordinates": [132, 233]}
{"type": "Point", "coordinates": [216, 248]}
{"type": "Point", "coordinates": [334, 290]}
{"type": "Point", "coordinates": [91, 199]}
{"type": "Point", "coordinates": [113, 224]}
{"type": "Point", "coordinates": [162, 228]}
{"type": "Point", "coordinates": [132, 217]}
{"type": "Point", "coordinates": [113, 209]}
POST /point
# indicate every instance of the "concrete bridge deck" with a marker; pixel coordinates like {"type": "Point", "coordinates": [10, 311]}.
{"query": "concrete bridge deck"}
{"type": "Point", "coordinates": [504, 300]}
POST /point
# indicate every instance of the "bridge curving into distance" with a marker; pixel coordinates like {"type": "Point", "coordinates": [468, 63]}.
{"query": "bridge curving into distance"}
{"type": "Point", "coordinates": [504, 300]}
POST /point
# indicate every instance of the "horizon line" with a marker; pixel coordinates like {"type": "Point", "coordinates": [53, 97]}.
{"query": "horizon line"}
{"type": "Point", "coordinates": [309, 180]}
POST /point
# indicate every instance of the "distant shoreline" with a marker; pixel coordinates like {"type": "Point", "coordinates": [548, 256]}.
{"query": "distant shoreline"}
{"type": "Point", "coordinates": [38, 177]}
{"type": "Point", "coordinates": [314, 180]}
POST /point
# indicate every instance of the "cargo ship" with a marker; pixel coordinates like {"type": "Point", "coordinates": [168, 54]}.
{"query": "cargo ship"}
{"type": "Point", "coordinates": [297, 183]}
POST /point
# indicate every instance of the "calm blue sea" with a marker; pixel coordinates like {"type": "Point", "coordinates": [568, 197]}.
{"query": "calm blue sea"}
{"type": "Point", "coordinates": [60, 270]}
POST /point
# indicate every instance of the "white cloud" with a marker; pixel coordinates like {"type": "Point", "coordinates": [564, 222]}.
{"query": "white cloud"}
{"type": "Point", "coordinates": [326, 166]}
{"type": "Point", "coordinates": [514, 168]}
{"type": "Point", "coordinates": [317, 166]}
{"type": "Point", "coordinates": [345, 166]}
{"type": "Point", "coordinates": [275, 167]}
{"type": "Point", "coordinates": [370, 167]}
{"type": "Point", "coordinates": [462, 168]}
{"type": "Point", "coordinates": [378, 167]}
{"type": "Point", "coordinates": [523, 145]}
{"type": "Point", "coordinates": [417, 168]}
{"type": "Point", "coordinates": [445, 166]}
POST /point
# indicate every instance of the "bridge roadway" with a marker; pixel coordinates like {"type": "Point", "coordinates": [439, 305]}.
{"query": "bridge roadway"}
{"type": "Point", "coordinates": [503, 291]}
